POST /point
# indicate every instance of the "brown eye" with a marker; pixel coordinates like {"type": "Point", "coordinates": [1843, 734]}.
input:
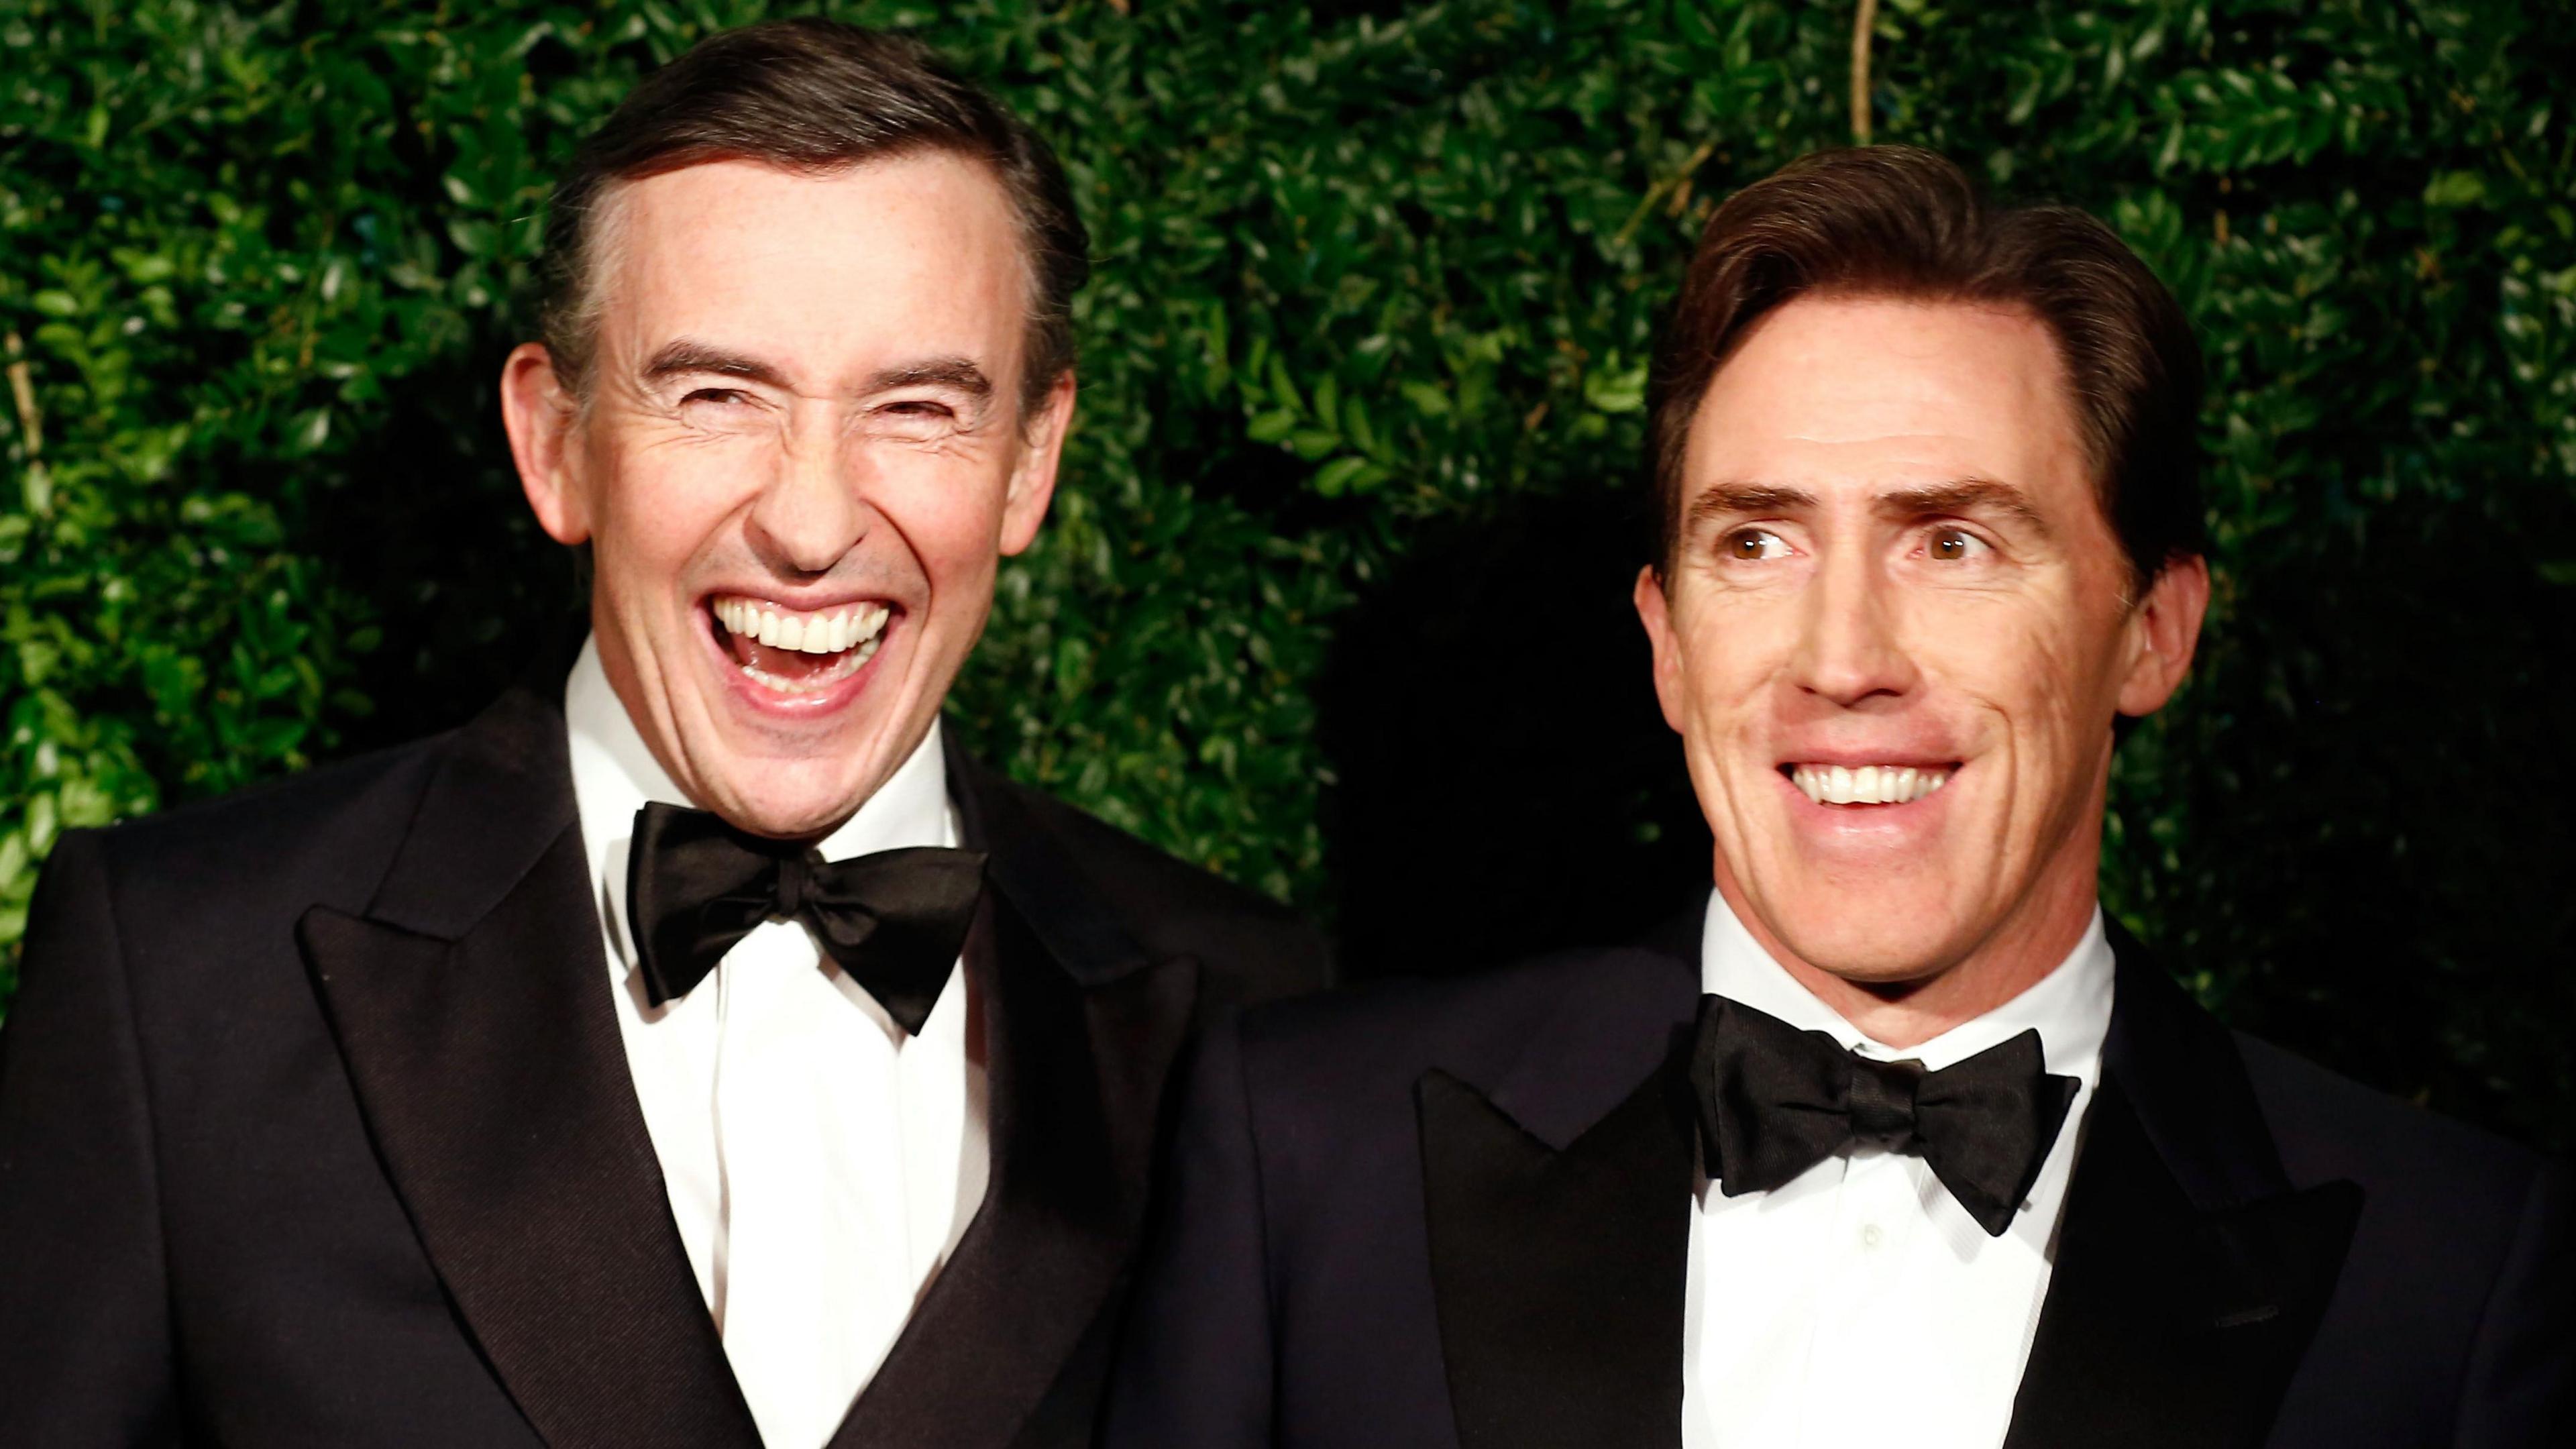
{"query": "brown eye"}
{"type": "Point", "coordinates": [1752, 545]}
{"type": "Point", "coordinates": [1952, 545]}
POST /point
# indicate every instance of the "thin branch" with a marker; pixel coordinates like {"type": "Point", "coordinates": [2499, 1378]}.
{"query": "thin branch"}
{"type": "Point", "coordinates": [1656, 192]}
{"type": "Point", "coordinates": [22, 386]}
{"type": "Point", "coordinates": [1861, 30]}
{"type": "Point", "coordinates": [38, 485]}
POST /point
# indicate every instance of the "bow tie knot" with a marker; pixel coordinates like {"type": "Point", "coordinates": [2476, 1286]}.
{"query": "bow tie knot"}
{"type": "Point", "coordinates": [792, 870]}
{"type": "Point", "coordinates": [892, 921]}
{"type": "Point", "coordinates": [1774, 1101]}
{"type": "Point", "coordinates": [1881, 1102]}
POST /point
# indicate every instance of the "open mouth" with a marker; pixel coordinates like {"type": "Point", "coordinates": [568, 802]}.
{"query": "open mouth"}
{"type": "Point", "coordinates": [1867, 785]}
{"type": "Point", "coordinates": [793, 652]}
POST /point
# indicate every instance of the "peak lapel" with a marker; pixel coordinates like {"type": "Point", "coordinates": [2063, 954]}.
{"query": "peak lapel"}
{"type": "Point", "coordinates": [471, 1007]}
{"type": "Point", "coordinates": [1082, 1029]}
{"type": "Point", "coordinates": [2189, 1274]}
{"type": "Point", "coordinates": [1558, 1212]}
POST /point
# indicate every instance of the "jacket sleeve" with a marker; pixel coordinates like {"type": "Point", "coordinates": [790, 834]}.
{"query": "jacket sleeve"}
{"type": "Point", "coordinates": [1194, 1364]}
{"type": "Point", "coordinates": [2521, 1384]}
{"type": "Point", "coordinates": [85, 1354]}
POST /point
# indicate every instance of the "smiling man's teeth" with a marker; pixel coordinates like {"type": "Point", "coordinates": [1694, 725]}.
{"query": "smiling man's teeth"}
{"type": "Point", "coordinates": [1867, 785]}
{"type": "Point", "coordinates": [824, 633]}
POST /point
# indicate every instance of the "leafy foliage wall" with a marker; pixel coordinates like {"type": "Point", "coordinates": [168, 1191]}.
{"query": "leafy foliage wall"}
{"type": "Point", "coordinates": [1335, 597]}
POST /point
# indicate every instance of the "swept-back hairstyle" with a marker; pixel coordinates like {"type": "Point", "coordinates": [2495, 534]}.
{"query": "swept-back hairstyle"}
{"type": "Point", "coordinates": [1900, 222]}
{"type": "Point", "coordinates": [811, 96]}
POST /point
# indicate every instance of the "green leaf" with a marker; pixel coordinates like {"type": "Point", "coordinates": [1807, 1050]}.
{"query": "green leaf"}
{"type": "Point", "coordinates": [2455, 188]}
{"type": "Point", "coordinates": [1283, 388]}
{"type": "Point", "coordinates": [309, 431]}
{"type": "Point", "coordinates": [1272, 426]}
{"type": "Point", "coordinates": [1334, 478]}
{"type": "Point", "coordinates": [1313, 443]}
{"type": "Point", "coordinates": [1621, 391]}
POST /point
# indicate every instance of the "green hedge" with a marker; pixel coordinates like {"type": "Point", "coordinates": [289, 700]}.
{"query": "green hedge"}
{"type": "Point", "coordinates": [1334, 597]}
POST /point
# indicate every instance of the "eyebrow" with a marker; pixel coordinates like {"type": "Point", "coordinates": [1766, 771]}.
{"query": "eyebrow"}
{"type": "Point", "coordinates": [1958, 498]}
{"type": "Point", "coordinates": [960, 373]}
{"type": "Point", "coordinates": [1736, 500]}
{"type": "Point", "coordinates": [688, 355]}
{"type": "Point", "coordinates": [1964, 497]}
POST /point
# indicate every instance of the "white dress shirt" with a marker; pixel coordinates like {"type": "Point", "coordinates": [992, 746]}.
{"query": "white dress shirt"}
{"type": "Point", "coordinates": [1859, 1304]}
{"type": "Point", "coordinates": [820, 1166]}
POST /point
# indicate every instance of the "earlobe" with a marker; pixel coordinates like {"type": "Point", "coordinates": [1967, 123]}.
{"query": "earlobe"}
{"type": "Point", "coordinates": [539, 415]}
{"type": "Point", "coordinates": [1654, 611]}
{"type": "Point", "coordinates": [2167, 625]}
{"type": "Point", "coordinates": [1032, 485]}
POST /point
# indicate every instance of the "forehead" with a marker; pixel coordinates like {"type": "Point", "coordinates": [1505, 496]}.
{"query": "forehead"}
{"type": "Point", "coordinates": [907, 252]}
{"type": "Point", "coordinates": [1866, 394]}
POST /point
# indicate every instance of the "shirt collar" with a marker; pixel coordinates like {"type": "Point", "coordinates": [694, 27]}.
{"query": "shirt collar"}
{"type": "Point", "coordinates": [614, 775]}
{"type": "Point", "coordinates": [2070, 1006]}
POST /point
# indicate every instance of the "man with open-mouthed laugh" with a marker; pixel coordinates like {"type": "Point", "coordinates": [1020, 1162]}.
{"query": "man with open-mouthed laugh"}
{"type": "Point", "coordinates": [697, 1049]}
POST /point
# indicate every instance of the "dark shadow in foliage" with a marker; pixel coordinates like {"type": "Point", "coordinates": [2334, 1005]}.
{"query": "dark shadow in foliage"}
{"type": "Point", "coordinates": [1506, 784]}
{"type": "Point", "coordinates": [429, 527]}
{"type": "Point", "coordinates": [2381, 822]}
{"type": "Point", "coordinates": [1329, 13]}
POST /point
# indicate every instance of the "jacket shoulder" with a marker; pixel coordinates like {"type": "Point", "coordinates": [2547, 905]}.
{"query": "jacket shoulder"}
{"type": "Point", "coordinates": [2463, 1261]}
{"type": "Point", "coordinates": [2328, 1126]}
{"type": "Point", "coordinates": [1331, 1084]}
{"type": "Point", "coordinates": [1408, 1014]}
{"type": "Point", "coordinates": [324, 836]}
{"type": "Point", "coordinates": [1251, 948]}
{"type": "Point", "coordinates": [1580, 1009]}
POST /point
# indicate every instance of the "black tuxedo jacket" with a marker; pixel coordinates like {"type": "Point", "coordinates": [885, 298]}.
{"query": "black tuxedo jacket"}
{"type": "Point", "coordinates": [316, 1127]}
{"type": "Point", "coordinates": [1457, 1214]}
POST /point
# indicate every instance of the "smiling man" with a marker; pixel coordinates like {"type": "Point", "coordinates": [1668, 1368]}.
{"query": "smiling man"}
{"type": "Point", "coordinates": [697, 1049]}
{"type": "Point", "coordinates": [1893, 1140]}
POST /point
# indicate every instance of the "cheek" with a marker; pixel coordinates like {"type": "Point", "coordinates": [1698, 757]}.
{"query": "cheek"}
{"type": "Point", "coordinates": [948, 509]}
{"type": "Point", "coordinates": [1730, 647]}
{"type": "Point", "coordinates": [660, 506]}
{"type": "Point", "coordinates": [2037, 672]}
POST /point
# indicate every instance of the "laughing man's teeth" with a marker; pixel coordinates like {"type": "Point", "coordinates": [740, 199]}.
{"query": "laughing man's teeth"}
{"type": "Point", "coordinates": [826, 633]}
{"type": "Point", "coordinates": [1868, 785]}
{"type": "Point", "coordinates": [840, 669]}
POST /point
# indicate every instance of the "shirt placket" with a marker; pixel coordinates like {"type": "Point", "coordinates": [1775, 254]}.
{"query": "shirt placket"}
{"type": "Point", "coordinates": [1874, 1221]}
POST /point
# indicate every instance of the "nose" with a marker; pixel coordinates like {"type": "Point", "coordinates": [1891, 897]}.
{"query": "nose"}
{"type": "Point", "coordinates": [1849, 652]}
{"type": "Point", "coordinates": [811, 514]}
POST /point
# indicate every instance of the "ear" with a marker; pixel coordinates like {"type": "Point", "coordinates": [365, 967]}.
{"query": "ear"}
{"type": "Point", "coordinates": [2164, 630]}
{"type": "Point", "coordinates": [1033, 476]}
{"type": "Point", "coordinates": [1655, 612]}
{"type": "Point", "coordinates": [540, 414]}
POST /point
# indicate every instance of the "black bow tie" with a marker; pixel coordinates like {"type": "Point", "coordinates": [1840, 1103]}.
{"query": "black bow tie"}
{"type": "Point", "coordinates": [893, 920]}
{"type": "Point", "coordinates": [1775, 1101]}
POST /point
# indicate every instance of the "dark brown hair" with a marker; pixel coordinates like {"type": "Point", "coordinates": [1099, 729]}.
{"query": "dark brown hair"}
{"type": "Point", "coordinates": [1895, 221]}
{"type": "Point", "coordinates": [812, 96]}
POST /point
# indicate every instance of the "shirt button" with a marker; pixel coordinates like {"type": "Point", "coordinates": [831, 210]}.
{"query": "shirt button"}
{"type": "Point", "coordinates": [1871, 1235]}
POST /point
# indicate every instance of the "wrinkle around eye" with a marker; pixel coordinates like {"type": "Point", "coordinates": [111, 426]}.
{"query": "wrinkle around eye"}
{"type": "Point", "coordinates": [925, 423]}
{"type": "Point", "coordinates": [718, 410]}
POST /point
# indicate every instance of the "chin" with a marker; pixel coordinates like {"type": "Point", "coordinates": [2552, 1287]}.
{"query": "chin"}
{"type": "Point", "coordinates": [787, 803]}
{"type": "Point", "coordinates": [1868, 939]}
